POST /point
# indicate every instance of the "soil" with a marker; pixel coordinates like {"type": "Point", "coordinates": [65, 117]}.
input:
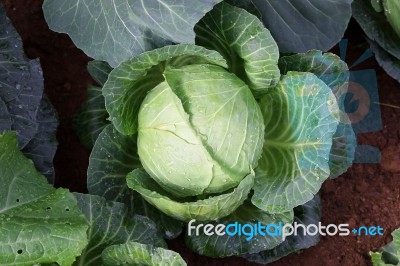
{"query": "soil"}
{"type": "Point", "coordinates": [368, 194]}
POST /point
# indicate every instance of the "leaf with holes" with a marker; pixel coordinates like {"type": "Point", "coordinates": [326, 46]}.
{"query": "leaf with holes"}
{"type": "Point", "coordinates": [38, 223]}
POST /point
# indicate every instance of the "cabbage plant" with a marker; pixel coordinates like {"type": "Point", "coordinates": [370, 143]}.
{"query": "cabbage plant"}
{"type": "Point", "coordinates": [380, 20]}
{"type": "Point", "coordinates": [197, 116]}
{"type": "Point", "coordinates": [389, 254]}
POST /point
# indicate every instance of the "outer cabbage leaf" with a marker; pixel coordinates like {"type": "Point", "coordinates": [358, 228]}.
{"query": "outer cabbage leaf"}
{"type": "Point", "coordinates": [38, 223]}
{"type": "Point", "coordinates": [133, 253]}
{"type": "Point", "coordinates": [343, 150]}
{"type": "Point", "coordinates": [392, 12]}
{"type": "Point", "coordinates": [387, 61]}
{"type": "Point", "coordinates": [113, 157]}
{"type": "Point", "coordinates": [251, 52]}
{"type": "Point", "coordinates": [301, 117]}
{"type": "Point", "coordinates": [389, 254]}
{"type": "Point", "coordinates": [377, 5]}
{"type": "Point", "coordinates": [21, 82]}
{"type": "Point", "coordinates": [91, 118]}
{"type": "Point", "coordinates": [326, 66]}
{"type": "Point", "coordinates": [247, 5]}
{"type": "Point", "coordinates": [23, 106]}
{"type": "Point", "coordinates": [99, 70]}
{"type": "Point", "coordinates": [376, 27]}
{"type": "Point", "coordinates": [296, 24]}
{"type": "Point", "coordinates": [335, 73]}
{"type": "Point", "coordinates": [114, 31]}
{"type": "Point", "coordinates": [186, 209]}
{"type": "Point", "coordinates": [111, 224]}
{"type": "Point", "coordinates": [309, 213]}
{"type": "Point", "coordinates": [223, 246]}
{"type": "Point", "coordinates": [129, 83]}
{"type": "Point", "coordinates": [5, 118]}
{"type": "Point", "coordinates": [43, 146]}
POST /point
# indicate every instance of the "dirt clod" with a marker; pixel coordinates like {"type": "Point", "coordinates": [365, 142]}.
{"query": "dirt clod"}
{"type": "Point", "coordinates": [391, 159]}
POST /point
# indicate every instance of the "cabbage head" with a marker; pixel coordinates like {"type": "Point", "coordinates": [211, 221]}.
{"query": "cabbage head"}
{"type": "Point", "coordinates": [200, 131]}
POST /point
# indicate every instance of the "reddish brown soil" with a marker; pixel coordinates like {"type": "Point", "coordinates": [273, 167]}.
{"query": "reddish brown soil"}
{"type": "Point", "coordinates": [365, 195]}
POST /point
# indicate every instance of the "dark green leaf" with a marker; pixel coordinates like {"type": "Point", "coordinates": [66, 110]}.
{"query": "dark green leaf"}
{"type": "Point", "coordinates": [38, 223]}
{"type": "Point", "coordinates": [389, 254]}
{"type": "Point", "coordinates": [225, 245]}
{"type": "Point", "coordinates": [112, 158]}
{"type": "Point", "coordinates": [247, 5]}
{"type": "Point", "coordinates": [114, 31]}
{"type": "Point", "coordinates": [21, 82]}
{"type": "Point", "coordinates": [387, 61]}
{"type": "Point", "coordinates": [377, 5]}
{"type": "Point", "coordinates": [376, 27]}
{"type": "Point", "coordinates": [301, 25]}
{"type": "Point", "coordinates": [392, 13]}
{"type": "Point", "coordinates": [112, 224]}
{"type": "Point", "coordinates": [5, 119]}
{"type": "Point", "coordinates": [43, 146]}
{"type": "Point", "coordinates": [133, 253]}
{"type": "Point", "coordinates": [309, 213]}
{"type": "Point", "coordinates": [343, 149]}
{"type": "Point", "coordinates": [99, 70]}
{"type": "Point", "coordinates": [24, 107]}
{"type": "Point", "coordinates": [91, 118]}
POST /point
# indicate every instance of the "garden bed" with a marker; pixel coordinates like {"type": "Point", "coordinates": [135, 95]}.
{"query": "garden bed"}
{"type": "Point", "coordinates": [368, 194]}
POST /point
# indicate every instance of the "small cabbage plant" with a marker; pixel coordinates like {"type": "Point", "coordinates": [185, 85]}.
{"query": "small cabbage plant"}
{"type": "Point", "coordinates": [380, 20]}
{"type": "Point", "coordinates": [389, 254]}
{"type": "Point", "coordinates": [214, 126]}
